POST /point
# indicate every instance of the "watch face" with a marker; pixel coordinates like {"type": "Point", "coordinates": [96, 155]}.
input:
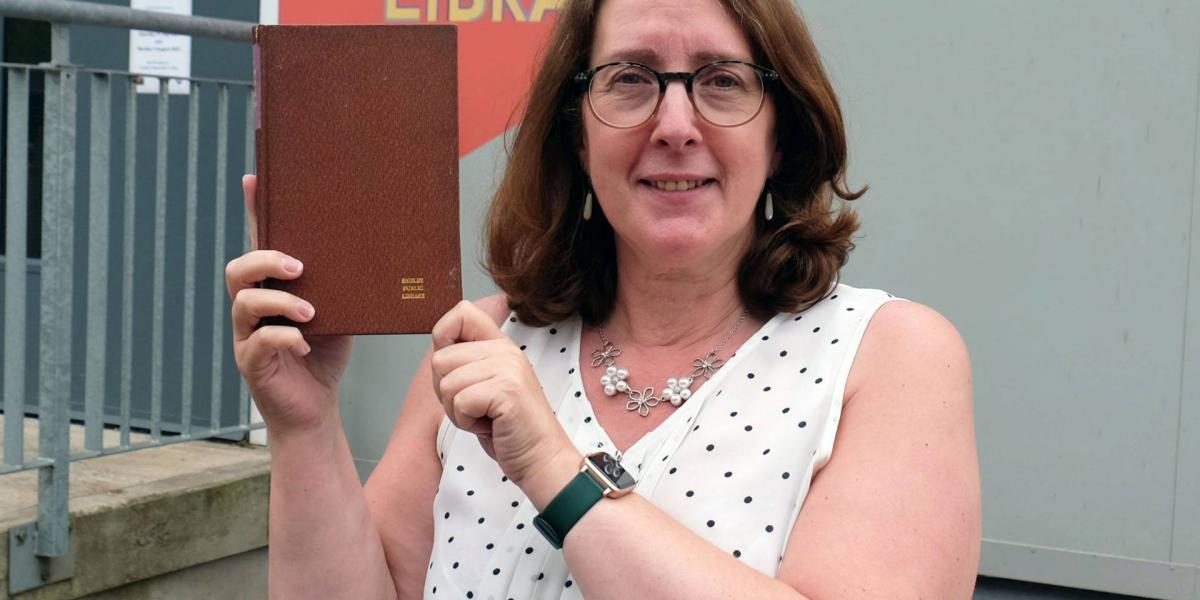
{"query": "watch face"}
{"type": "Point", "coordinates": [607, 464]}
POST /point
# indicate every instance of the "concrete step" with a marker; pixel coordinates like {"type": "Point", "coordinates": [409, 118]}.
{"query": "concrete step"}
{"type": "Point", "coordinates": [139, 515]}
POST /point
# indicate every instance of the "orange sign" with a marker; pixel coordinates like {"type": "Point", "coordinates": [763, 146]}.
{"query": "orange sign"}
{"type": "Point", "coordinates": [498, 44]}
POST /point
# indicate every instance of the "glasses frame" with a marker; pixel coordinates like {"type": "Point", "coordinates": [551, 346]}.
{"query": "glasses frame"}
{"type": "Point", "coordinates": [584, 78]}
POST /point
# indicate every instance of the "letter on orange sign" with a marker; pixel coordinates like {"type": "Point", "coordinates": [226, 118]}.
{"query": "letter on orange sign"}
{"type": "Point", "coordinates": [498, 7]}
{"type": "Point", "coordinates": [471, 12]}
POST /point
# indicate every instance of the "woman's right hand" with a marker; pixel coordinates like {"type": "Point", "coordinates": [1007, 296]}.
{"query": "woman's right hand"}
{"type": "Point", "coordinates": [292, 380]}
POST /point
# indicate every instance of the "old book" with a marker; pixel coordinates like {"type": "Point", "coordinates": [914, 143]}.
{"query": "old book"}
{"type": "Point", "coordinates": [357, 160]}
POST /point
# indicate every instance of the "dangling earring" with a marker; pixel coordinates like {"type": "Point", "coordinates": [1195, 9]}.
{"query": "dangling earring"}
{"type": "Point", "coordinates": [587, 206]}
{"type": "Point", "coordinates": [769, 208]}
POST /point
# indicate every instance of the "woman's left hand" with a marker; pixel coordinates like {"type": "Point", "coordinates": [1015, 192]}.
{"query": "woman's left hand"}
{"type": "Point", "coordinates": [487, 387]}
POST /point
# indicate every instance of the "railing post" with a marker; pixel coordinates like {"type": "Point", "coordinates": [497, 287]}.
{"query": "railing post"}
{"type": "Point", "coordinates": [245, 409]}
{"type": "Point", "coordinates": [129, 209]}
{"type": "Point", "coordinates": [98, 241]}
{"type": "Point", "coordinates": [160, 257]}
{"type": "Point", "coordinates": [220, 310]}
{"type": "Point", "coordinates": [15, 265]}
{"type": "Point", "coordinates": [189, 262]}
{"type": "Point", "coordinates": [40, 554]}
{"type": "Point", "coordinates": [60, 44]}
{"type": "Point", "coordinates": [58, 215]}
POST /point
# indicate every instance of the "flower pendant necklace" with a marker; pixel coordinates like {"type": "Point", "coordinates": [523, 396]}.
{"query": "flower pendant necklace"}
{"type": "Point", "coordinates": [616, 378]}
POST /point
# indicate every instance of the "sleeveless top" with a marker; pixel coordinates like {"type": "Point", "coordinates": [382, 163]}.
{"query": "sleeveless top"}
{"type": "Point", "coordinates": [733, 463]}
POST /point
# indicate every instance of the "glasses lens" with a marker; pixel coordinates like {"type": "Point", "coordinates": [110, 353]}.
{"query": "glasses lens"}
{"type": "Point", "coordinates": [728, 94]}
{"type": "Point", "coordinates": [623, 95]}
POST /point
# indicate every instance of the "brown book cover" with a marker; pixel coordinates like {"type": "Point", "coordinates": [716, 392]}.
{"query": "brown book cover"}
{"type": "Point", "coordinates": [356, 134]}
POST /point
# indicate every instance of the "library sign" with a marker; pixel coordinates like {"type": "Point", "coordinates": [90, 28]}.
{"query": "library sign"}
{"type": "Point", "coordinates": [498, 42]}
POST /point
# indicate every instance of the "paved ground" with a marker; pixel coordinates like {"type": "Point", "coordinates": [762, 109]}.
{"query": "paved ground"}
{"type": "Point", "coordinates": [988, 588]}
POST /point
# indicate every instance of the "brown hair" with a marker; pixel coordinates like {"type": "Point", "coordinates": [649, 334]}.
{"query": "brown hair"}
{"type": "Point", "coordinates": [551, 264]}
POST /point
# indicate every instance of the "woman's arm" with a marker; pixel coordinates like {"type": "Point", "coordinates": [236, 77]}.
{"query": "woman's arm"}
{"type": "Point", "coordinates": [897, 511]}
{"type": "Point", "coordinates": [628, 548]}
{"type": "Point", "coordinates": [323, 543]}
{"type": "Point", "coordinates": [401, 489]}
{"type": "Point", "coordinates": [894, 514]}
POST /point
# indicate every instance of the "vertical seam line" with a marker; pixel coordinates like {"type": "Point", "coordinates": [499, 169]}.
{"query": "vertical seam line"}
{"type": "Point", "coordinates": [1186, 303]}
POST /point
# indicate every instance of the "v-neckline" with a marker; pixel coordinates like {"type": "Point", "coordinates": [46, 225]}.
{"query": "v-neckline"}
{"type": "Point", "coordinates": [698, 397]}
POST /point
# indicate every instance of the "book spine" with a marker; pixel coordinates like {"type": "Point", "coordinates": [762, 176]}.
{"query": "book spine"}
{"type": "Point", "coordinates": [262, 195]}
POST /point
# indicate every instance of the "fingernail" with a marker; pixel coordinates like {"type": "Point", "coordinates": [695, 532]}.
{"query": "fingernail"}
{"type": "Point", "coordinates": [292, 265]}
{"type": "Point", "coordinates": [307, 310]}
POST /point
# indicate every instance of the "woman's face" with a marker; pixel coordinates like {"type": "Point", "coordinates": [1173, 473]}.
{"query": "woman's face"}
{"type": "Point", "coordinates": [629, 167]}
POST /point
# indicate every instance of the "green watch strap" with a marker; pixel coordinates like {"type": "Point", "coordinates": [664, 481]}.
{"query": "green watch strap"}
{"type": "Point", "coordinates": [567, 508]}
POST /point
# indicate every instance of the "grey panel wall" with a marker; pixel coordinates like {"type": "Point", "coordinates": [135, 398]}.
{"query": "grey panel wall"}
{"type": "Point", "coordinates": [1186, 547]}
{"type": "Point", "coordinates": [1033, 169]}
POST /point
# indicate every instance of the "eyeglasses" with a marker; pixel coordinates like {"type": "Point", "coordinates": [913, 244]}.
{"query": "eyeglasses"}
{"type": "Point", "coordinates": [726, 93]}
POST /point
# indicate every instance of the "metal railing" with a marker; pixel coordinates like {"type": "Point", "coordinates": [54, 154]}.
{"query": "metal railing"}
{"type": "Point", "coordinates": [39, 552]}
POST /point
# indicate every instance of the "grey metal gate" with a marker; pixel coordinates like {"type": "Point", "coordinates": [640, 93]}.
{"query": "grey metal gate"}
{"type": "Point", "coordinates": [38, 362]}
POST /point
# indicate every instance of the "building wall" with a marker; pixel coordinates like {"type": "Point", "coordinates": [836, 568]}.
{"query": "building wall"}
{"type": "Point", "coordinates": [1033, 173]}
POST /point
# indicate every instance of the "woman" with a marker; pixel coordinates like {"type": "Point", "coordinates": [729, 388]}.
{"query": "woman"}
{"type": "Point", "coordinates": [664, 218]}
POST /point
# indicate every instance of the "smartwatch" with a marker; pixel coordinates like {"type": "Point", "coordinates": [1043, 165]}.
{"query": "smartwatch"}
{"type": "Point", "coordinates": [601, 475]}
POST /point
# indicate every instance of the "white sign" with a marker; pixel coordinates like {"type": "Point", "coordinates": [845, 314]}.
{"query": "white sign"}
{"type": "Point", "coordinates": [155, 53]}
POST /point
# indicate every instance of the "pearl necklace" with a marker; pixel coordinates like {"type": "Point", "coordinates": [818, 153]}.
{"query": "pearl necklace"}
{"type": "Point", "coordinates": [678, 390]}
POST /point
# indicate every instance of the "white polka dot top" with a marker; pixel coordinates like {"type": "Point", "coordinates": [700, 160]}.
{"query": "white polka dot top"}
{"type": "Point", "coordinates": [733, 463]}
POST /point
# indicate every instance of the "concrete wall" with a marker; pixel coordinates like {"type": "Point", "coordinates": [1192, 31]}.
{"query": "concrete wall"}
{"type": "Point", "coordinates": [239, 576]}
